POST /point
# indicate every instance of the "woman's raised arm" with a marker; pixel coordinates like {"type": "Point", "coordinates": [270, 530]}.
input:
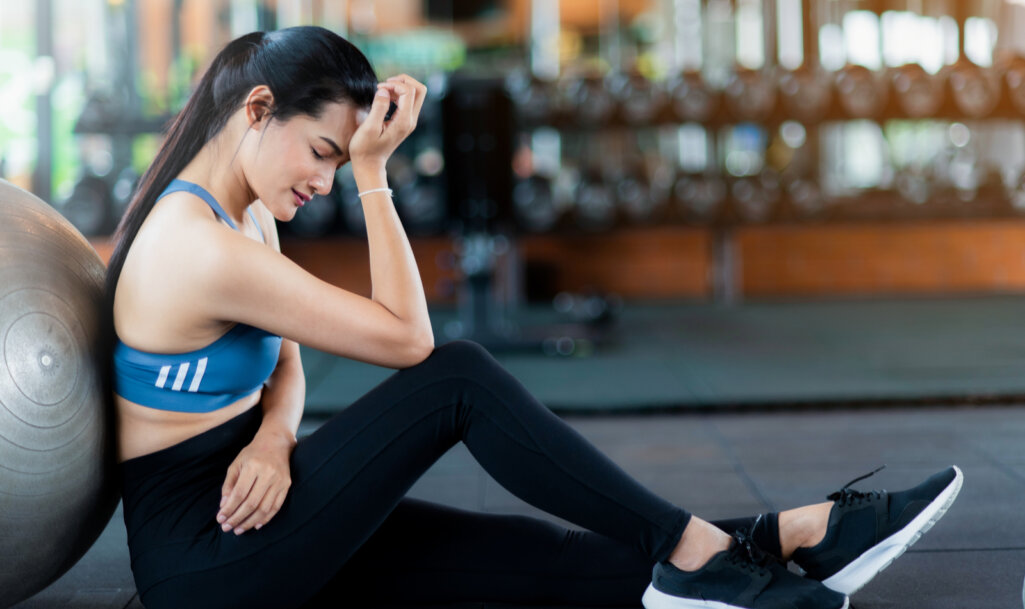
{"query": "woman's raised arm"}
{"type": "Point", "coordinates": [241, 280]}
{"type": "Point", "coordinates": [255, 285]}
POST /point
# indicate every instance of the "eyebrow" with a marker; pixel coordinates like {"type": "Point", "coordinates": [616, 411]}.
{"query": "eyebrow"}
{"type": "Point", "coordinates": [338, 151]}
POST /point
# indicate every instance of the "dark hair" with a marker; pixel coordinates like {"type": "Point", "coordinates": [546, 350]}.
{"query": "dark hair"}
{"type": "Point", "coordinates": [305, 68]}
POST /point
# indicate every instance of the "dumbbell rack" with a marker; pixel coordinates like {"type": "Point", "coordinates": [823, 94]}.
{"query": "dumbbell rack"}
{"type": "Point", "coordinates": [625, 103]}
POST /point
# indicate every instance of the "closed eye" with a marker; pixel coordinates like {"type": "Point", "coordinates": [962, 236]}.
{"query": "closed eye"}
{"type": "Point", "coordinates": [316, 154]}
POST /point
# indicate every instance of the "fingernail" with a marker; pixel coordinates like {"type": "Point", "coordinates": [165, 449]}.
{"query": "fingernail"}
{"type": "Point", "coordinates": [382, 93]}
{"type": "Point", "coordinates": [226, 527]}
{"type": "Point", "coordinates": [221, 518]}
{"type": "Point", "coordinates": [238, 531]}
{"type": "Point", "coordinates": [257, 527]}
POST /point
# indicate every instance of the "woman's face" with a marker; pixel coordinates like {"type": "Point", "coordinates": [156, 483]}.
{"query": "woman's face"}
{"type": "Point", "coordinates": [293, 160]}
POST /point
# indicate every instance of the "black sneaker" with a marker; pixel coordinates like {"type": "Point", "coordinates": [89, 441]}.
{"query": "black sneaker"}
{"type": "Point", "coordinates": [742, 577]}
{"type": "Point", "coordinates": [867, 531]}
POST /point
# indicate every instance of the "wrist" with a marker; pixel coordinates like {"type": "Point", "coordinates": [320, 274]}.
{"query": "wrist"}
{"type": "Point", "coordinates": [370, 175]}
{"type": "Point", "coordinates": [277, 434]}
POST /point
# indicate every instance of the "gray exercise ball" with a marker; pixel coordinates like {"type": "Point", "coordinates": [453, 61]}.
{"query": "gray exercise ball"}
{"type": "Point", "coordinates": [57, 489]}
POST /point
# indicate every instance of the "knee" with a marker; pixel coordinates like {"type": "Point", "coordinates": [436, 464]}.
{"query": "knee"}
{"type": "Point", "coordinates": [460, 354]}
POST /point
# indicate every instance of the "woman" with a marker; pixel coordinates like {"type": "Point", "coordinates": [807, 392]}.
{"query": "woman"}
{"type": "Point", "coordinates": [224, 508]}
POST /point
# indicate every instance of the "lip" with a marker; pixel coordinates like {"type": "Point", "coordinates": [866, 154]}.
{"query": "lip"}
{"type": "Point", "coordinates": [300, 199]}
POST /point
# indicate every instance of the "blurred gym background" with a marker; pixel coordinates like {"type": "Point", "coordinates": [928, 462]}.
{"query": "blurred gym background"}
{"type": "Point", "coordinates": [581, 161]}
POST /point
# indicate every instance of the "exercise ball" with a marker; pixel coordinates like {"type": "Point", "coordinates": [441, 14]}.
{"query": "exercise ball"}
{"type": "Point", "coordinates": [57, 489]}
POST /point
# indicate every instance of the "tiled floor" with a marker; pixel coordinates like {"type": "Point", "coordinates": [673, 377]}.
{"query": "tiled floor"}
{"type": "Point", "coordinates": [727, 465]}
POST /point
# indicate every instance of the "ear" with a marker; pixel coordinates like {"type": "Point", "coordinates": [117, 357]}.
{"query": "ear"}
{"type": "Point", "coordinates": [258, 106]}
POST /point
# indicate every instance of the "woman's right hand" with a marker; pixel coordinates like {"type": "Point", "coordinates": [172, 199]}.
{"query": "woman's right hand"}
{"type": "Point", "coordinates": [375, 140]}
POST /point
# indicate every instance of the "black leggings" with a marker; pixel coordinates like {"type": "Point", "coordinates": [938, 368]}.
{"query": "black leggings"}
{"type": "Point", "coordinates": [347, 536]}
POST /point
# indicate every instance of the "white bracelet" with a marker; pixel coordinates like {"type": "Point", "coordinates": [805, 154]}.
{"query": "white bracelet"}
{"type": "Point", "coordinates": [367, 192]}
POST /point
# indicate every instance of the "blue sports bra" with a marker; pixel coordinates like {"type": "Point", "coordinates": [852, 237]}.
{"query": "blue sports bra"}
{"type": "Point", "coordinates": [232, 367]}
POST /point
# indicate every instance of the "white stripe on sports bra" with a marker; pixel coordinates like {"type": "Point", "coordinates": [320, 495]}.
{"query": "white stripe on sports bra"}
{"type": "Point", "coordinates": [200, 369]}
{"type": "Point", "coordinates": [164, 370]}
{"type": "Point", "coordinates": [180, 380]}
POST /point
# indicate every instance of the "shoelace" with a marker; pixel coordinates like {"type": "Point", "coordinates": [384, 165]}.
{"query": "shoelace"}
{"type": "Point", "coordinates": [746, 555]}
{"type": "Point", "coordinates": [848, 496]}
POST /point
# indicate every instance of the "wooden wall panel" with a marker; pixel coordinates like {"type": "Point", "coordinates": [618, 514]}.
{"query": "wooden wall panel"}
{"type": "Point", "coordinates": [773, 261]}
{"type": "Point", "coordinates": [870, 259]}
{"type": "Point", "coordinates": [668, 262]}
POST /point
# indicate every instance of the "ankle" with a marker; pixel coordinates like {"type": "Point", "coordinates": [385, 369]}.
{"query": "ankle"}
{"type": "Point", "coordinates": [803, 527]}
{"type": "Point", "coordinates": [698, 544]}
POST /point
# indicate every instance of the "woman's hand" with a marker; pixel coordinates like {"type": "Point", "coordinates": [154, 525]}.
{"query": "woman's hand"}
{"type": "Point", "coordinates": [256, 484]}
{"type": "Point", "coordinates": [375, 140]}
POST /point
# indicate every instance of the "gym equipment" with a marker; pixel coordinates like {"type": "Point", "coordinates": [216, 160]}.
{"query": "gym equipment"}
{"type": "Point", "coordinates": [534, 98]}
{"type": "Point", "coordinates": [751, 95]}
{"type": "Point", "coordinates": [88, 208]}
{"type": "Point", "coordinates": [860, 92]}
{"type": "Point", "coordinates": [919, 94]}
{"type": "Point", "coordinates": [976, 91]}
{"type": "Point", "coordinates": [535, 204]}
{"type": "Point", "coordinates": [586, 100]}
{"type": "Point", "coordinates": [56, 425]}
{"type": "Point", "coordinates": [692, 99]}
{"type": "Point", "coordinates": [756, 197]}
{"type": "Point", "coordinates": [699, 196]}
{"type": "Point", "coordinates": [595, 202]}
{"type": "Point", "coordinates": [805, 94]}
{"type": "Point", "coordinates": [641, 101]}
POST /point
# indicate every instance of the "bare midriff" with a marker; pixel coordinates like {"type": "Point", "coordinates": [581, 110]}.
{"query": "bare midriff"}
{"type": "Point", "coordinates": [143, 430]}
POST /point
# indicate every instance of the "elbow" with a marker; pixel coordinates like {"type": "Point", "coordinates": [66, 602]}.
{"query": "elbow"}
{"type": "Point", "coordinates": [420, 348]}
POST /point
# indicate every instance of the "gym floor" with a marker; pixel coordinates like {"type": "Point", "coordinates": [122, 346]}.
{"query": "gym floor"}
{"type": "Point", "coordinates": [734, 411]}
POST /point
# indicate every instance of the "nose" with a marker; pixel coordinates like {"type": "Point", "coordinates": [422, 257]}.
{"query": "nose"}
{"type": "Point", "coordinates": [321, 183]}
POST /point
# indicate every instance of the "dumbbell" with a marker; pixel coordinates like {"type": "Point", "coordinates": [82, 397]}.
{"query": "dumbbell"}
{"type": "Point", "coordinates": [700, 197]}
{"type": "Point", "coordinates": [595, 203]}
{"type": "Point", "coordinates": [585, 100]}
{"type": "Point", "coordinates": [805, 94]}
{"type": "Point", "coordinates": [755, 197]}
{"type": "Point", "coordinates": [919, 94]}
{"type": "Point", "coordinates": [750, 95]}
{"type": "Point", "coordinates": [533, 97]}
{"type": "Point", "coordinates": [640, 100]}
{"type": "Point", "coordinates": [635, 195]}
{"type": "Point", "coordinates": [860, 92]}
{"type": "Point", "coordinates": [534, 203]}
{"type": "Point", "coordinates": [975, 90]}
{"type": "Point", "coordinates": [805, 195]}
{"type": "Point", "coordinates": [1013, 69]}
{"type": "Point", "coordinates": [692, 100]}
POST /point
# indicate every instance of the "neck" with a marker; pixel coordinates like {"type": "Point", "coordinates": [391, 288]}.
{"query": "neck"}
{"type": "Point", "coordinates": [217, 169]}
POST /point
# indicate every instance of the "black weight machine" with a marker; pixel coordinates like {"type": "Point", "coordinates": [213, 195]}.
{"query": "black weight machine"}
{"type": "Point", "coordinates": [479, 124]}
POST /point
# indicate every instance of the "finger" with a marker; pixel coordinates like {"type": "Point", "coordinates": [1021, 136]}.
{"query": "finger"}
{"type": "Point", "coordinates": [419, 91]}
{"type": "Point", "coordinates": [238, 494]}
{"type": "Point", "coordinates": [421, 95]}
{"type": "Point", "coordinates": [268, 508]}
{"type": "Point", "coordinates": [229, 483]}
{"type": "Point", "coordinates": [249, 508]}
{"type": "Point", "coordinates": [379, 107]}
{"type": "Point", "coordinates": [404, 99]}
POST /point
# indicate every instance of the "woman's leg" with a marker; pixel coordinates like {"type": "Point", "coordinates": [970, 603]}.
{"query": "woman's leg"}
{"type": "Point", "coordinates": [425, 553]}
{"type": "Point", "coordinates": [350, 474]}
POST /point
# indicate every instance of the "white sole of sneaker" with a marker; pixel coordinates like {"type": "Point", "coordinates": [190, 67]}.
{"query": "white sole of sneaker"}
{"type": "Point", "coordinates": [854, 576]}
{"type": "Point", "coordinates": [656, 599]}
